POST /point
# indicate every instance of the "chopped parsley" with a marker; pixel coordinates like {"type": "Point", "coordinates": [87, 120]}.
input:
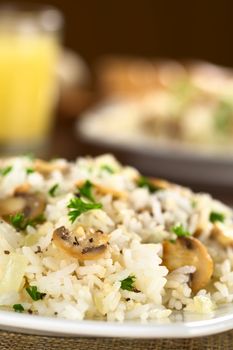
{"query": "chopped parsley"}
{"type": "Point", "coordinates": [86, 189]}
{"type": "Point", "coordinates": [30, 171]}
{"type": "Point", "coordinates": [180, 231]}
{"type": "Point", "coordinates": [53, 189]}
{"type": "Point", "coordinates": [78, 207]}
{"type": "Point", "coordinates": [107, 168]}
{"type": "Point", "coordinates": [38, 220]}
{"type": "Point", "coordinates": [145, 182]}
{"type": "Point", "coordinates": [215, 216]}
{"type": "Point", "coordinates": [6, 170]}
{"type": "Point", "coordinates": [17, 220]}
{"type": "Point", "coordinates": [20, 222]}
{"type": "Point", "coordinates": [127, 284]}
{"type": "Point", "coordinates": [34, 293]}
{"type": "Point", "coordinates": [18, 308]}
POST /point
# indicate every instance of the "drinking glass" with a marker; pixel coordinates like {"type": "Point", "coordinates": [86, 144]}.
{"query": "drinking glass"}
{"type": "Point", "coordinates": [30, 38]}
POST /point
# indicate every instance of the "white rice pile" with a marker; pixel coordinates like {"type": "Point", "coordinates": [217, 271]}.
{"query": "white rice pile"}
{"type": "Point", "coordinates": [136, 223]}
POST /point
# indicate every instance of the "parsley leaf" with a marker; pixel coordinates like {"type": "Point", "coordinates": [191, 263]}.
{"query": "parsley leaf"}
{"type": "Point", "coordinates": [6, 170]}
{"type": "Point", "coordinates": [37, 220]}
{"type": "Point", "coordinates": [20, 222]}
{"type": "Point", "coordinates": [145, 182]}
{"type": "Point", "coordinates": [34, 293]}
{"type": "Point", "coordinates": [127, 284]}
{"type": "Point", "coordinates": [18, 308]}
{"type": "Point", "coordinates": [180, 231]}
{"type": "Point", "coordinates": [78, 206]}
{"type": "Point", "coordinates": [107, 168]}
{"type": "Point", "coordinates": [17, 220]}
{"type": "Point", "coordinates": [53, 189]}
{"type": "Point", "coordinates": [214, 216]}
{"type": "Point", "coordinates": [30, 171]}
{"type": "Point", "coordinates": [85, 190]}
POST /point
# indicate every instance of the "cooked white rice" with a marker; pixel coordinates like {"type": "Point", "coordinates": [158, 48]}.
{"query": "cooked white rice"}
{"type": "Point", "coordinates": [136, 226]}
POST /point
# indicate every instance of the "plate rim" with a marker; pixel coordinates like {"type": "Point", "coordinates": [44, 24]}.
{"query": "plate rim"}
{"type": "Point", "coordinates": [50, 326]}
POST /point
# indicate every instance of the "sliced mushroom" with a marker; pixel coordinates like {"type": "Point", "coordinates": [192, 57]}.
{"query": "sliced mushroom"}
{"type": "Point", "coordinates": [32, 205]}
{"type": "Point", "coordinates": [189, 251]}
{"type": "Point", "coordinates": [198, 232]}
{"type": "Point", "coordinates": [45, 168]}
{"type": "Point", "coordinates": [105, 190]}
{"type": "Point", "coordinates": [82, 244]}
{"type": "Point", "coordinates": [222, 234]}
{"type": "Point", "coordinates": [161, 183]}
{"type": "Point", "coordinates": [24, 188]}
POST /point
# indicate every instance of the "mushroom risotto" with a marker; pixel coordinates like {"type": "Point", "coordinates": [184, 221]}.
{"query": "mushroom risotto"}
{"type": "Point", "coordinates": [97, 240]}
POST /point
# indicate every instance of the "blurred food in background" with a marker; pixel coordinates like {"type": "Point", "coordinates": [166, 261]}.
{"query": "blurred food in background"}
{"type": "Point", "coordinates": [163, 102]}
{"type": "Point", "coordinates": [75, 81]}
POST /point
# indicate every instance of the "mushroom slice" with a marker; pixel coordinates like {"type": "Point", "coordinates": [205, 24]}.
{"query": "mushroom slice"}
{"type": "Point", "coordinates": [108, 190]}
{"type": "Point", "coordinates": [165, 185]}
{"type": "Point", "coordinates": [189, 251]}
{"type": "Point", "coordinates": [32, 205]}
{"type": "Point", "coordinates": [81, 244]}
{"type": "Point", "coordinates": [161, 183]}
{"type": "Point", "coordinates": [222, 234]}
{"type": "Point", "coordinates": [116, 194]}
{"type": "Point", "coordinates": [45, 168]}
{"type": "Point", "coordinates": [24, 188]}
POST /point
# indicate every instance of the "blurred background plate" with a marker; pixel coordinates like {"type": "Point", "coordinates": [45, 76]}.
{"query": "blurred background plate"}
{"type": "Point", "coordinates": [174, 161]}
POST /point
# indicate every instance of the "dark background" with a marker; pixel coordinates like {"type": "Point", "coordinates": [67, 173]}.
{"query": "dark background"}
{"type": "Point", "coordinates": [177, 29]}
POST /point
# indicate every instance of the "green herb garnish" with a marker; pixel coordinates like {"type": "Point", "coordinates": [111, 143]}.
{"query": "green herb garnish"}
{"type": "Point", "coordinates": [127, 284]}
{"type": "Point", "coordinates": [34, 293]}
{"type": "Point", "coordinates": [85, 190]}
{"type": "Point", "coordinates": [6, 170]}
{"type": "Point", "coordinates": [214, 216]}
{"type": "Point", "coordinates": [18, 308]}
{"type": "Point", "coordinates": [30, 171]}
{"type": "Point", "coordinates": [145, 182]}
{"type": "Point", "coordinates": [78, 207]}
{"type": "Point", "coordinates": [53, 189]}
{"type": "Point", "coordinates": [180, 231]}
{"type": "Point", "coordinates": [38, 220]}
{"type": "Point", "coordinates": [20, 222]}
{"type": "Point", "coordinates": [107, 168]}
{"type": "Point", "coordinates": [17, 220]}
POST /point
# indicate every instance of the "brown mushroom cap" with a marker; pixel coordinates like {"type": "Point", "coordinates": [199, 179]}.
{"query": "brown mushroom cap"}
{"type": "Point", "coordinates": [45, 168]}
{"type": "Point", "coordinates": [161, 183]}
{"type": "Point", "coordinates": [222, 234]}
{"type": "Point", "coordinates": [164, 185]}
{"type": "Point", "coordinates": [32, 205]}
{"type": "Point", "coordinates": [81, 244]}
{"type": "Point", "coordinates": [189, 251]}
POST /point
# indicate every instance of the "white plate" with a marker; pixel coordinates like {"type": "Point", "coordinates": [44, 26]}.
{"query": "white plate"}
{"type": "Point", "coordinates": [172, 160]}
{"type": "Point", "coordinates": [191, 326]}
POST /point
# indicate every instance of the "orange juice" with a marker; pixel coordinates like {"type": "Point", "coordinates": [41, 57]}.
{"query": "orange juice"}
{"type": "Point", "coordinates": [28, 87]}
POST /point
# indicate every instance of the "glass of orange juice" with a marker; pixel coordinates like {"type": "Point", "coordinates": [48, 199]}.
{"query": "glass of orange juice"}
{"type": "Point", "coordinates": [29, 51]}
